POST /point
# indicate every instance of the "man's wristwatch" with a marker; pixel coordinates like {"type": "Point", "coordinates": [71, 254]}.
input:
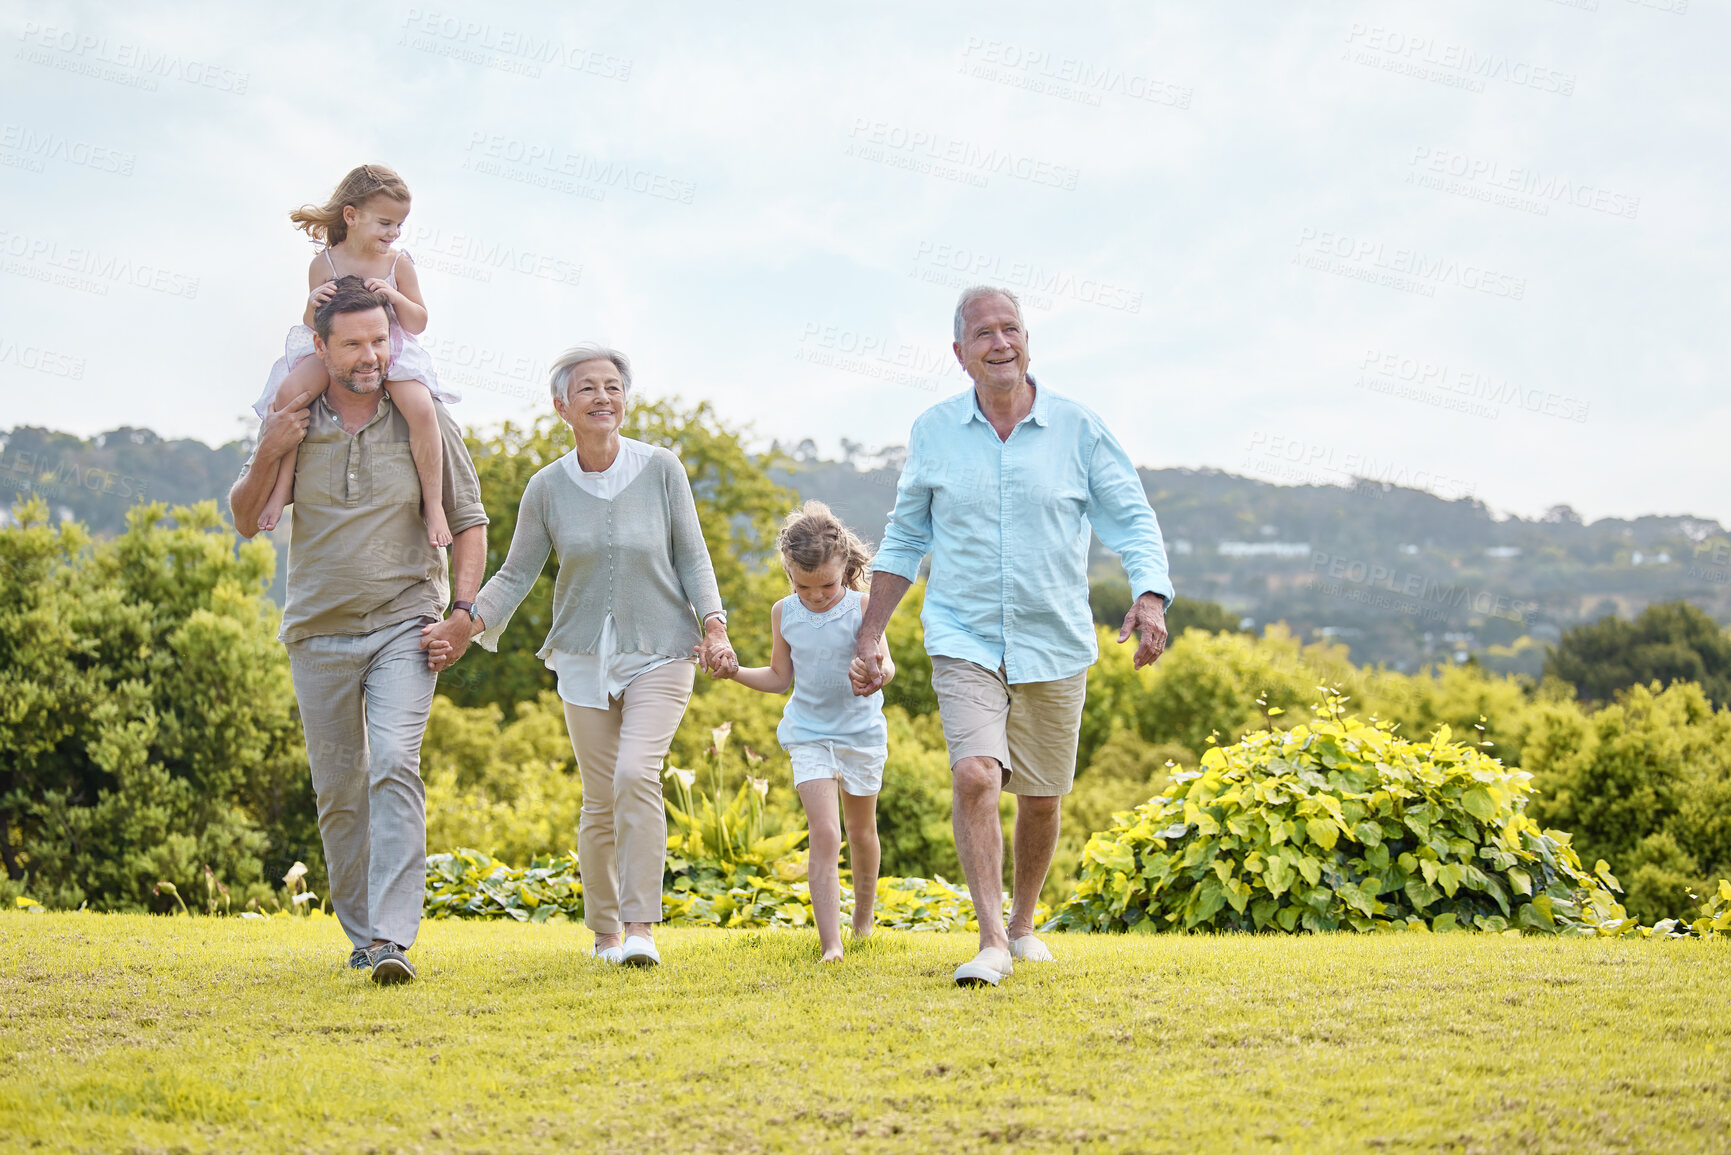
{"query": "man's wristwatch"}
{"type": "Point", "coordinates": [466, 607]}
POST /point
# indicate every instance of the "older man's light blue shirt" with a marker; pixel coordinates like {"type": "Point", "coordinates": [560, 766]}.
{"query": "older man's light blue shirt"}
{"type": "Point", "coordinates": [1006, 523]}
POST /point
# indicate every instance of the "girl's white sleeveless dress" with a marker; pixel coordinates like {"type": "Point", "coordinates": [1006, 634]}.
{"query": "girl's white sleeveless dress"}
{"type": "Point", "coordinates": [409, 362]}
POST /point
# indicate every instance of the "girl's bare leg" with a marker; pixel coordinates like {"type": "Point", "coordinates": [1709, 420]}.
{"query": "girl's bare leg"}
{"type": "Point", "coordinates": [823, 873]}
{"type": "Point", "coordinates": [308, 376]}
{"type": "Point", "coordinates": [428, 447]}
{"type": "Point", "coordinates": [863, 854]}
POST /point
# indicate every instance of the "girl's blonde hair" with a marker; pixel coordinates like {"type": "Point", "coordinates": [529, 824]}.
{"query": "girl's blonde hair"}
{"type": "Point", "coordinates": [325, 222]}
{"type": "Point", "coordinates": [812, 536]}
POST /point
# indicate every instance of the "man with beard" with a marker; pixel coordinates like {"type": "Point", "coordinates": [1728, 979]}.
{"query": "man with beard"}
{"type": "Point", "coordinates": [365, 622]}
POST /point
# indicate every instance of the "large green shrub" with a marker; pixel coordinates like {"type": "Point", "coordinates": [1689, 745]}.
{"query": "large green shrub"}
{"type": "Point", "coordinates": [1337, 824]}
{"type": "Point", "coordinates": [147, 723]}
{"type": "Point", "coordinates": [1646, 784]}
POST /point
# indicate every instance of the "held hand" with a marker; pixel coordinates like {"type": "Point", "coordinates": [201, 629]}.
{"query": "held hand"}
{"type": "Point", "coordinates": [321, 294]}
{"type": "Point", "coordinates": [715, 652]}
{"type": "Point", "coordinates": [866, 672]}
{"type": "Point", "coordinates": [446, 641]}
{"type": "Point", "coordinates": [1147, 619]}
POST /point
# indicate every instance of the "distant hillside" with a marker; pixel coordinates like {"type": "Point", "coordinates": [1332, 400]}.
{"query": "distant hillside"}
{"type": "Point", "coordinates": [1399, 575]}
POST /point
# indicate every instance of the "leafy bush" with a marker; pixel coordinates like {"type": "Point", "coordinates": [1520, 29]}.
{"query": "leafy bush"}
{"type": "Point", "coordinates": [511, 787]}
{"type": "Point", "coordinates": [1646, 784]}
{"type": "Point", "coordinates": [1338, 824]}
{"type": "Point", "coordinates": [469, 884]}
{"type": "Point", "coordinates": [147, 728]}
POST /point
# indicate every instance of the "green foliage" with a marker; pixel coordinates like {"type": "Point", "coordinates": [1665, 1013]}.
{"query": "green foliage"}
{"type": "Point", "coordinates": [511, 787]}
{"type": "Point", "coordinates": [738, 504]}
{"type": "Point", "coordinates": [914, 807]}
{"type": "Point", "coordinates": [1646, 784]}
{"type": "Point", "coordinates": [911, 688]}
{"type": "Point", "coordinates": [1339, 824]}
{"type": "Point", "coordinates": [469, 884]}
{"type": "Point", "coordinates": [1669, 642]}
{"type": "Point", "coordinates": [1125, 772]}
{"type": "Point", "coordinates": [1109, 599]}
{"type": "Point", "coordinates": [146, 714]}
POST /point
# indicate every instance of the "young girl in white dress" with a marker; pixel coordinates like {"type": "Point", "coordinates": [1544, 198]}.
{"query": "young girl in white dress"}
{"type": "Point", "coordinates": [359, 224]}
{"type": "Point", "coordinates": [836, 741]}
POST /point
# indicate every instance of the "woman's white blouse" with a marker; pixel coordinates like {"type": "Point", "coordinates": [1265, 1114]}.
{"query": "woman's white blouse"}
{"type": "Point", "coordinates": [591, 679]}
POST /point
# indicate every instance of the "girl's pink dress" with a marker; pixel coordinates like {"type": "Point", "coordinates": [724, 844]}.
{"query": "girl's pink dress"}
{"type": "Point", "coordinates": [409, 362]}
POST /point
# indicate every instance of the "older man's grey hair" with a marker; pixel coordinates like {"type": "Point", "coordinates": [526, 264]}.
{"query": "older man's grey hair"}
{"type": "Point", "coordinates": [978, 293]}
{"type": "Point", "coordinates": [587, 351]}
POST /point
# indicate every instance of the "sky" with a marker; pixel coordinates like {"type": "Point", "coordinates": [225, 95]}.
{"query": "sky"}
{"type": "Point", "coordinates": [1470, 246]}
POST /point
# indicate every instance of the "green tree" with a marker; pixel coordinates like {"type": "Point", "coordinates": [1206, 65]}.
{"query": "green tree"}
{"type": "Point", "coordinates": [147, 723]}
{"type": "Point", "coordinates": [738, 504]}
{"type": "Point", "coordinates": [1644, 783]}
{"type": "Point", "coordinates": [1668, 642]}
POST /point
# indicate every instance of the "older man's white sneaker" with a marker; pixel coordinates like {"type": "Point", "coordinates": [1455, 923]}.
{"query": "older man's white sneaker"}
{"type": "Point", "coordinates": [613, 954]}
{"type": "Point", "coordinates": [640, 952]}
{"type": "Point", "coordinates": [988, 968]}
{"type": "Point", "coordinates": [1029, 949]}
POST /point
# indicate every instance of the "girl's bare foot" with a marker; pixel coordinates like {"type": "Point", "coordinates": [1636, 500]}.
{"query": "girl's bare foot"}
{"type": "Point", "coordinates": [862, 931]}
{"type": "Point", "coordinates": [831, 955]}
{"type": "Point", "coordinates": [270, 516]}
{"type": "Point", "coordinates": [438, 529]}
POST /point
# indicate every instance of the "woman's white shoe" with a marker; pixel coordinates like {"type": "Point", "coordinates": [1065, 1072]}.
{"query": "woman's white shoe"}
{"type": "Point", "coordinates": [640, 952]}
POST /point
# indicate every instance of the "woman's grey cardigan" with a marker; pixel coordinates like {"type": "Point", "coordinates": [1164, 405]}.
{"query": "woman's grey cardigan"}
{"type": "Point", "coordinates": [640, 557]}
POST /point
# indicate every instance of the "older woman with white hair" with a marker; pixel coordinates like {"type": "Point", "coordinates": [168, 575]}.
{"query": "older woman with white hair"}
{"type": "Point", "coordinates": [634, 581]}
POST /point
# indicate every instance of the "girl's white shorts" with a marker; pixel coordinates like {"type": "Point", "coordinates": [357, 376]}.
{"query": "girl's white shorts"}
{"type": "Point", "coordinates": [860, 768]}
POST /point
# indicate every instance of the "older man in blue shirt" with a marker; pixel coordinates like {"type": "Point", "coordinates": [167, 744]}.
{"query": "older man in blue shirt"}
{"type": "Point", "coordinates": [1001, 486]}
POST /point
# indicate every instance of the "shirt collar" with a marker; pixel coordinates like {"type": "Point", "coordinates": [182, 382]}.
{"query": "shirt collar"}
{"type": "Point", "coordinates": [1038, 414]}
{"type": "Point", "coordinates": [336, 419]}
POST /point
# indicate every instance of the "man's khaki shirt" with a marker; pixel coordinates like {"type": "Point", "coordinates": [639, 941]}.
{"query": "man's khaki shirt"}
{"type": "Point", "coordinates": [359, 559]}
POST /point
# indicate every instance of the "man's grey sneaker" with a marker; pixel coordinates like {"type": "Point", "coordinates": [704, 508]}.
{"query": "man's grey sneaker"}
{"type": "Point", "coordinates": [358, 959]}
{"type": "Point", "coordinates": [390, 964]}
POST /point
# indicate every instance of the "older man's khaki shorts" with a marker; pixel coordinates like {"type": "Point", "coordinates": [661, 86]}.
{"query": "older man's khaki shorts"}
{"type": "Point", "coordinates": [1031, 728]}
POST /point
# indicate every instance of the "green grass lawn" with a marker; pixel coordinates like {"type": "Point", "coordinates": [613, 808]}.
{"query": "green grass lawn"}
{"type": "Point", "coordinates": [143, 1034]}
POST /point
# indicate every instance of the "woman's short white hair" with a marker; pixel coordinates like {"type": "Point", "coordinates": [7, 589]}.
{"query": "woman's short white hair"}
{"type": "Point", "coordinates": [978, 292]}
{"type": "Point", "coordinates": [560, 378]}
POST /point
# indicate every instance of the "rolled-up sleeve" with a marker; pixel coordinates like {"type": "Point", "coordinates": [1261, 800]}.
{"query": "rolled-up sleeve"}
{"type": "Point", "coordinates": [460, 488]}
{"type": "Point", "coordinates": [908, 537]}
{"type": "Point", "coordinates": [1119, 511]}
